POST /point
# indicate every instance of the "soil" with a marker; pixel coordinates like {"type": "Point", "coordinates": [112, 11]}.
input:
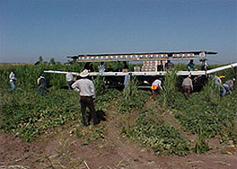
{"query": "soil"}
{"type": "Point", "coordinates": [62, 149]}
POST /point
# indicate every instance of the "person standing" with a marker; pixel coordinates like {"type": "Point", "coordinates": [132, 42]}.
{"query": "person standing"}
{"type": "Point", "coordinates": [86, 90]}
{"type": "Point", "coordinates": [88, 66]}
{"type": "Point", "coordinates": [156, 88]}
{"type": "Point", "coordinates": [169, 65]}
{"type": "Point", "coordinates": [202, 58]}
{"type": "Point", "coordinates": [41, 81]}
{"type": "Point", "coordinates": [228, 86]}
{"type": "Point", "coordinates": [12, 78]}
{"type": "Point", "coordinates": [102, 67]}
{"type": "Point", "coordinates": [187, 86]}
{"type": "Point", "coordinates": [191, 66]}
{"type": "Point", "coordinates": [69, 79]}
{"type": "Point", "coordinates": [204, 65]}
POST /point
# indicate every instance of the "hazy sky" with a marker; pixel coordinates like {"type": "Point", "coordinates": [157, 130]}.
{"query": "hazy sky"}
{"type": "Point", "coordinates": [59, 28]}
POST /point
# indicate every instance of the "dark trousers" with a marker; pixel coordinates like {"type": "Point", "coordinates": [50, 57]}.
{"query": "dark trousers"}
{"type": "Point", "coordinates": [87, 101]}
{"type": "Point", "coordinates": [186, 91]}
{"type": "Point", "coordinates": [155, 93]}
{"type": "Point", "coordinates": [42, 90]}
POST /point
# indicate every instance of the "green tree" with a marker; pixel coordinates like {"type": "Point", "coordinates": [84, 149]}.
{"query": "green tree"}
{"type": "Point", "coordinates": [52, 61]}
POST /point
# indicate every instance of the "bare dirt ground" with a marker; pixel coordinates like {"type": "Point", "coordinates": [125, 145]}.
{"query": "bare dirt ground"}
{"type": "Point", "coordinates": [62, 149]}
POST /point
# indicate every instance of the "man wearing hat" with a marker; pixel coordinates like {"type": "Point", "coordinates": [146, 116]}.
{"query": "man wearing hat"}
{"type": "Point", "coordinates": [86, 90]}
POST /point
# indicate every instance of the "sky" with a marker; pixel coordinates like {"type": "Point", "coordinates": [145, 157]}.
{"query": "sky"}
{"type": "Point", "coordinates": [60, 28]}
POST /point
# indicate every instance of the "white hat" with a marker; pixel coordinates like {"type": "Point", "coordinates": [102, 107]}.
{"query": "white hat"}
{"type": "Point", "coordinates": [84, 73]}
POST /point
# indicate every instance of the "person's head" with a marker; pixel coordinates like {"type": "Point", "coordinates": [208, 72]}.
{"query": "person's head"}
{"type": "Point", "coordinates": [233, 79]}
{"type": "Point", "coordinates": [13, 70]}
{"type": "Point", "coordinates": [101, 63]}
{"type": "Point", "coordinates": [191, 61]}
{"type": "Point", "coordinates": [190, 75]}
{"type": "Point", "coordinates": [84, 73]}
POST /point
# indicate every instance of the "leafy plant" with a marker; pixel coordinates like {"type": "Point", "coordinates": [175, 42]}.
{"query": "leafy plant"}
{"type": "Point", "coordinates": [132, 98]}
{"type": "Point", "coordinates": [152, 132]}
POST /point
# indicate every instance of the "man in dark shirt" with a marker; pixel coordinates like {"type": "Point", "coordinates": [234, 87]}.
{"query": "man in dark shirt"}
{"type": "Point", "coordinates": [191, 66]}
{"type": "Point", "coordinates": [169, 65]}
{"type": "Point", "coordinates": [42, 85]}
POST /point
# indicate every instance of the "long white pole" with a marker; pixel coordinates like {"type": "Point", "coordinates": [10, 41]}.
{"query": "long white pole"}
{"type": "Point", "coordinates": [221, 68]}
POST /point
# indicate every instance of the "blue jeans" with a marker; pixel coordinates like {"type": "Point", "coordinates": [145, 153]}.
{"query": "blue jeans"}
{"type": "Point", "coordinates": [221, 90]}
{"type": "Point", "coordinates": [226, 88]}
{"type": "Point", "coordinates": [12, 85]}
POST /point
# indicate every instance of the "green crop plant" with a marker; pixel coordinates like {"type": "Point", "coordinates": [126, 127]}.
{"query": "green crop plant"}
{"type": "Point", "coordinates": [27, 115]}
{"type": "Point", "coordinates": [90, 134]}
{"type": "Point", "coordinates": [103, 102]}
{"type": "Point", "coordinates": [33, 115]}
{"type": "Point", "coordinates": [201, 145]}
{"type": "Point", "coordinates": [211, 93]}
{"type": "Point", "coordinates": [132, 98]}
{"type": "Point", "coordinates": [154, 133]}
{"type": "Point", "coordinates": [99, 83]}
{"type": "Point", "coordinates": [167, 97]}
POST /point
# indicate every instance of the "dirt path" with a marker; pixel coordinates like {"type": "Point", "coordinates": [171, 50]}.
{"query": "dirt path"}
{"type": "Point", "coordinates": [64, 150]}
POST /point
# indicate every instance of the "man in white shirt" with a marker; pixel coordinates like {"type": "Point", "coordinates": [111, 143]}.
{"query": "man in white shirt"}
{"type": "Point", "coordinates": [69, 79]}
{"type": "Point", "coordinates": [187, 86]}
{"type": "Point", "coordinates": [12, 78]}
{"type": "Point", "coordinates": [156, 88]}
{"type": "Point", "coordinates": [86, 90]}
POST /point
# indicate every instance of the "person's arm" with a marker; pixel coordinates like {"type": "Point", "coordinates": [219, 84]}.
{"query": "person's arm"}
{"type": "Point", "coordinates": [92, 88]}
{"type": "Point", "coordinates": [160, 86]}
{"type": "Point", "coordinates": [191, 84]}
{"type": "Point", "coordinates": [232, 86]}
{"type": "Point", "coordinates": [75, 86]}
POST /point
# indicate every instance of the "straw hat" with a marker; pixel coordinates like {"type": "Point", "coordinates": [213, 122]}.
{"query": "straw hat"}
{"type": "Point", "coordinates": [84, 73]}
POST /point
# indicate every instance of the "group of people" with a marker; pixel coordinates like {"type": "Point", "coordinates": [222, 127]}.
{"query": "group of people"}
{"type": "Point", "coordinates": [223, 88]}
{"type": "Point", "coordinates": [84, 86]}
{"type": "Point", "coordinates": [86, 89]}
{"type": "Point", "coordinates": [41, 82]}
{"type": "Point", "coordinates": [187, 86]}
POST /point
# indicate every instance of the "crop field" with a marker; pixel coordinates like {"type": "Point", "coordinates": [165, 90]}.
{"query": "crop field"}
{"type": "Point", "coordinates": [171, 125]}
